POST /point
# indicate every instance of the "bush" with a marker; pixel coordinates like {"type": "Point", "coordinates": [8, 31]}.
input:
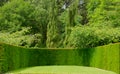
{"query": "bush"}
{"type": "Point", "coordinates": [15, 14]}
{"type": "Point", "coordinates": [85, 37]}
{"type": "Point", "coordinates": [104, 13]}
{"type": "Point", "coordinates": [21, 38]}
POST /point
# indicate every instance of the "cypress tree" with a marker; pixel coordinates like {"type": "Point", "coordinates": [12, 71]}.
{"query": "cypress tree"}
{"type": "Point", "coordinates": [72, 13]}
{"type": "Point", "coordinates": [52, 30]}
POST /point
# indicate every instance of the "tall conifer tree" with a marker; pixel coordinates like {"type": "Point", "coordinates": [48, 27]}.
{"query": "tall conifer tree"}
{"type": "Point", "coordinates": [72, 13]}
{"type": "Point", "coordinates": [52, 30]}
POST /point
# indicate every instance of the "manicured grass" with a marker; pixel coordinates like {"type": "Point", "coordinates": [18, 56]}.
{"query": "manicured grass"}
{"type": "Point", "coordinates": [61, 70]}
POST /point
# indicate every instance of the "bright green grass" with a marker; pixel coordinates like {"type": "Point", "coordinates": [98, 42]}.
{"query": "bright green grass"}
{"type": "Point", "coordinates": [61, 70]}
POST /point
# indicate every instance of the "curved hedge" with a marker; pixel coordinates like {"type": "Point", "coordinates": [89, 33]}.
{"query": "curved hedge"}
{"type": "Point", "coordinates": [104, 57]}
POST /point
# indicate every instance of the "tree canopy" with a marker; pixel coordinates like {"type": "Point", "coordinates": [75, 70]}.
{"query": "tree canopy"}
{"type": "Point", "coordinates": [59, 23]}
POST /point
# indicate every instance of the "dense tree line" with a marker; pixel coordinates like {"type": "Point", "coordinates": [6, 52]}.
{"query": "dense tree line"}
{"type": "Point", "coordinates": [59, 23]}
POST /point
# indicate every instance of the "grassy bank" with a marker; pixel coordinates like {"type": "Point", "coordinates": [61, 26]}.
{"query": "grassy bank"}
{"type": "Point", "coordinates": [62, 70]}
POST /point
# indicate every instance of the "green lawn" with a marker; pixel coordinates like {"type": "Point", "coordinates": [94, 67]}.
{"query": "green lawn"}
{"type": "Point", "coordinates": [61, 70]}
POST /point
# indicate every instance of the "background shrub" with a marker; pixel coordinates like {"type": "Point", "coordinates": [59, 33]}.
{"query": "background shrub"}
{"type": "Point", "coordinates": [15, 14]}
{"type": "Point", "coordinates": [21, 38]}
{"type": "Point", "coordinates": [86, 37]}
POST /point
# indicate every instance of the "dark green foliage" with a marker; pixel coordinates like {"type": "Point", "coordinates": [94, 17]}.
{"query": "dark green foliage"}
{"type": "Point", "coordinates": [101, 57]}
{"type": "Point", "coordinates": [15, 14]}
{"type": "Point", "coordinates": [41, 15]}
{"type": "Point", "coordinates": [53, 20]}
{"type": "Point", "coordinates": [2, 2]}
{"type": "Point", "coordinates": [1, 57]}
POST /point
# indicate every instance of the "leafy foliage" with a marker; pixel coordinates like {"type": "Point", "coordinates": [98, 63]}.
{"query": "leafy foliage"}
{"type": "Point", "coordinates": [102, 28]}
{"type": "Point", "coordinates": [103, 13]}
{"type": "Point", "coordinates": [86, 37]}
{"type": "Point", "coordinates": [15, 14]}
{"type": "Point", "coordinates": [53, 20]}
{"type": "Point", "coordinates": [21, 38]}
{"type": "Point", "coordinates": [2, 2]}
